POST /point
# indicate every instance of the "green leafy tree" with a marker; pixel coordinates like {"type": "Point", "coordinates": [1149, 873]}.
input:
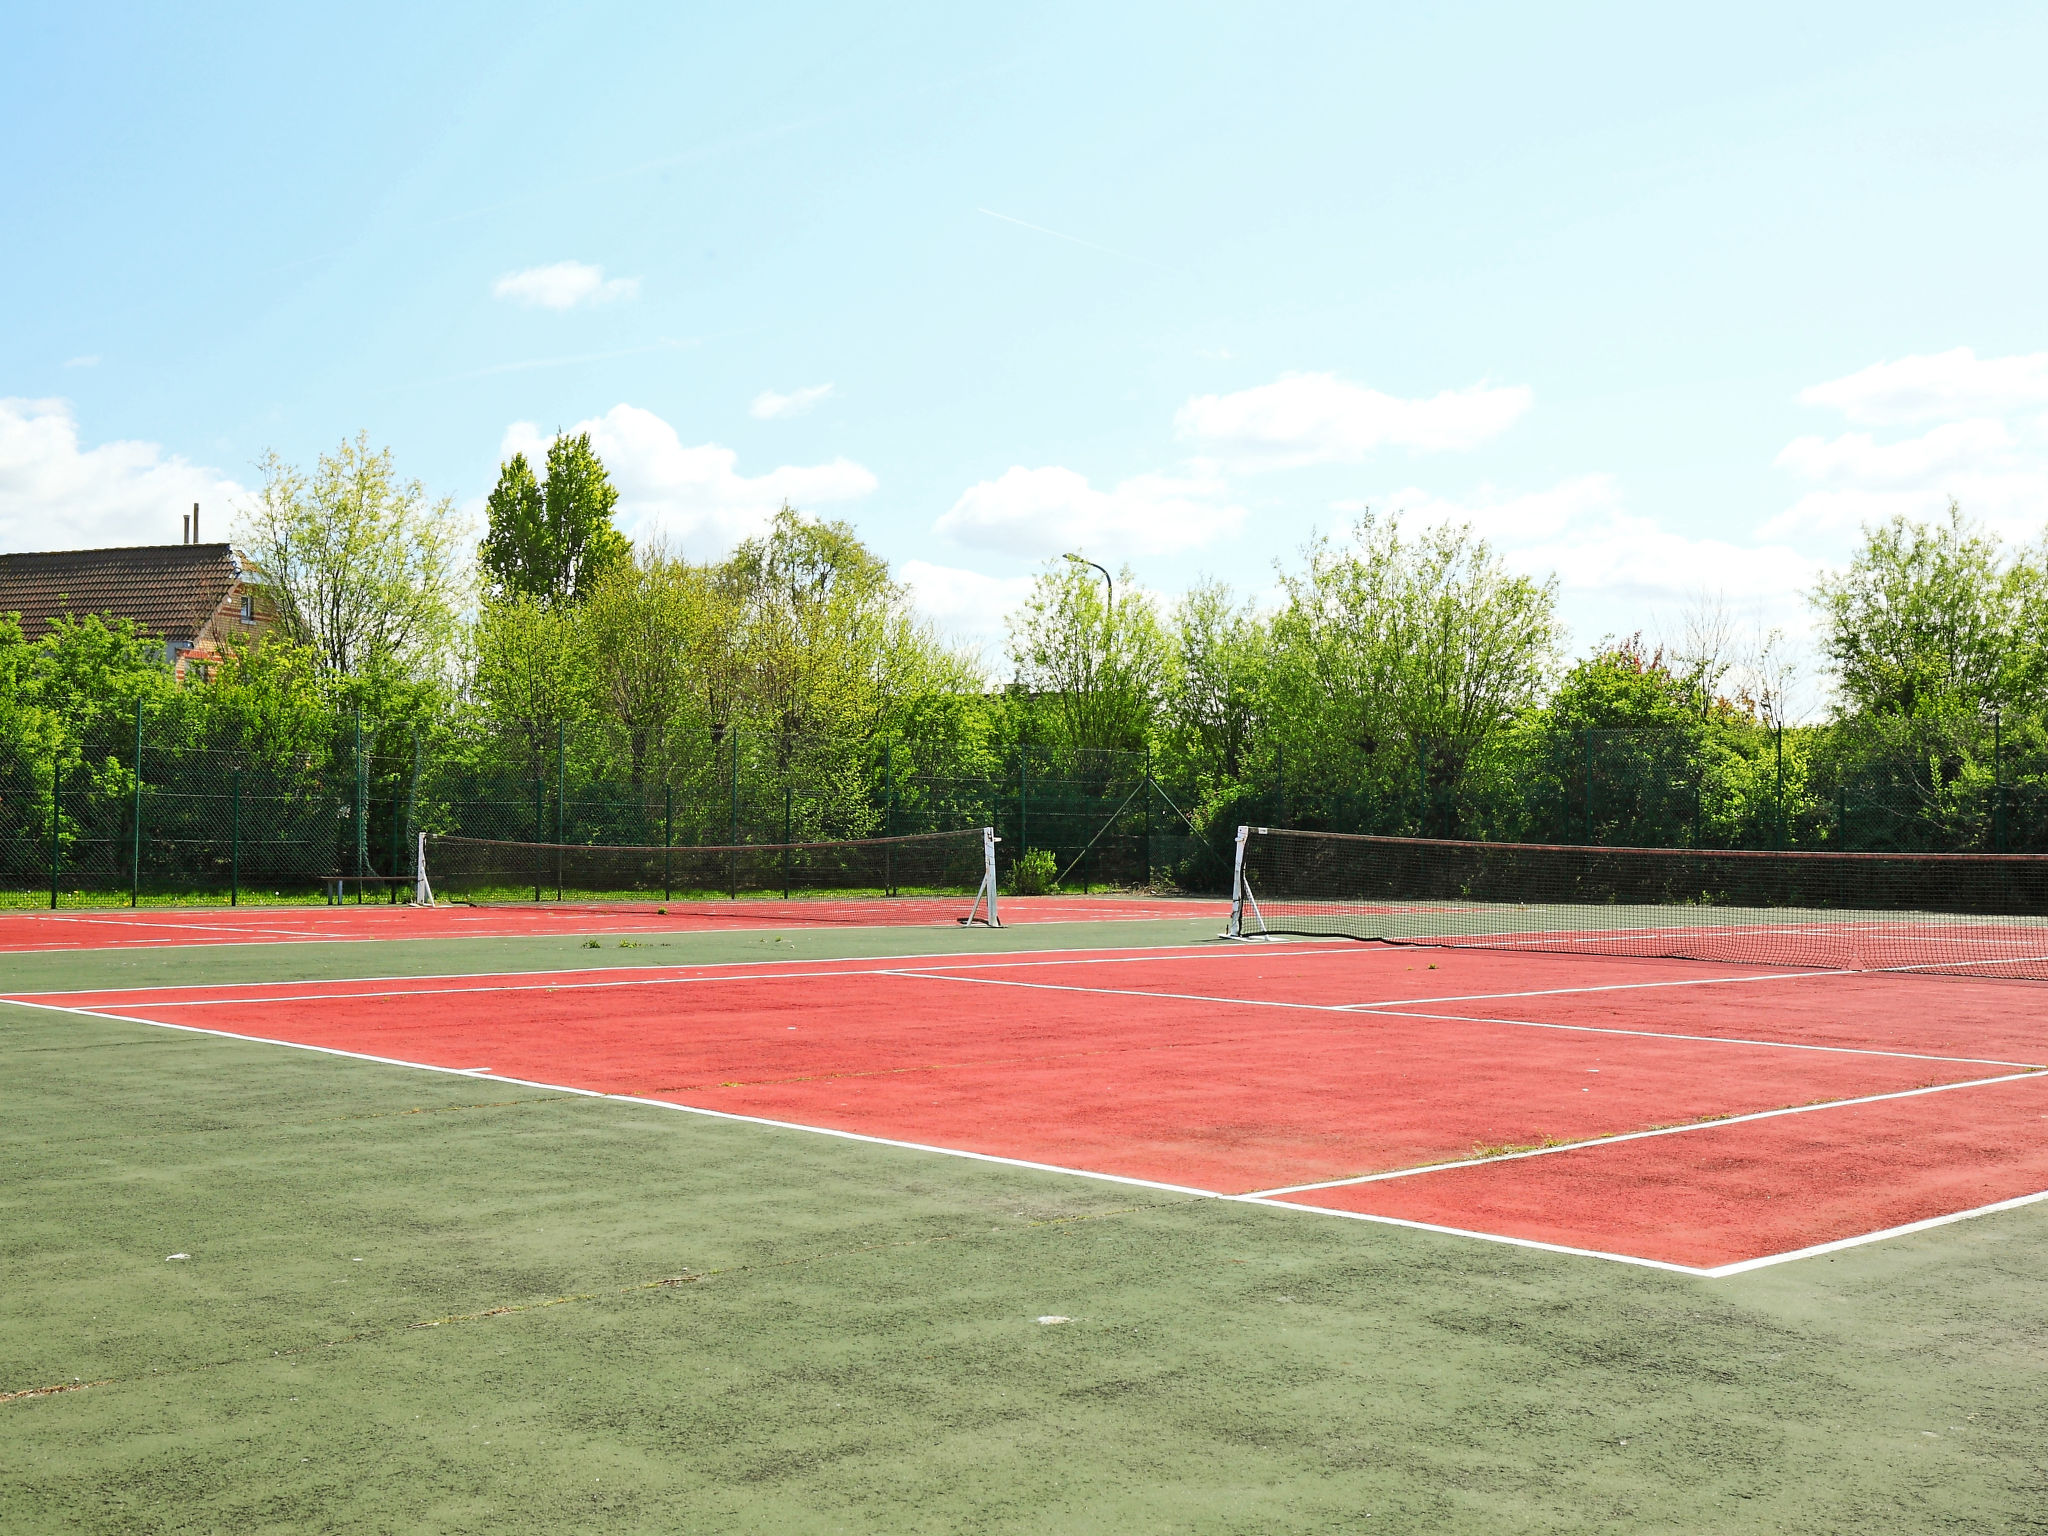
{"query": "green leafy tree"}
{"type": "Point", "coordinates": [645, 626]}
{"type": "Point", "coordinates": [1099, 673]}
{"type": "Point", "coordinates": [532, 677]}
{"type": "Point", "coordinates": [89, 673]}
{"type": "Point", "coordinates": [831, 651]}
{"type": "Point", "coordinates": [1398, 661]}
{"type": "Point", "coordinates": [361, 567]}
{"type": "Point", "coordinates": [551, 539]}
{"type": "Point", "coordinates": [1932, 620]}
{"type": "Point", "coordinates": [1220, 655]}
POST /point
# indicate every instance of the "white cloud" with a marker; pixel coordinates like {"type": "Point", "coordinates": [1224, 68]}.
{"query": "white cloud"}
{"type": "Point", "coordinates": [87, 360]}
{"type": "Point", "coordinates": [965, 604]}
{"type": "Point", "coordinates": [693, 496]}
{"type": "Point", "coordinates": [1936, 386]}
{"type": "Point", "coordinates": [1618, 570]}
{"type": "Point", "coordinates": [564, 285]}
{"type": "Point", "coordinates": [1857, 458]}
{"type": "Point", "coordinates": [1990, 453]}
{"type": "Point", "coordinates": [1318, 418]}
{"type": "Point", "coordinates": [768, 405]}
{"type": "Point", "coordinates": [55, 494]}
{"type": "Point", "coordinates": [1040, 512]}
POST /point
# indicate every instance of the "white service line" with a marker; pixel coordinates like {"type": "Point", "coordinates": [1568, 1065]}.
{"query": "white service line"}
{"type": "Point", "coordinates": [1389, 1012]}
{"type": "Point", "coordinates": [1613, 986]}
{"type": "Point", "coordinates": [1662, 1130]}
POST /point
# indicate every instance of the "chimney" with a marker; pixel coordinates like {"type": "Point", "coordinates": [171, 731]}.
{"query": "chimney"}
{"type": "Point", "coordinates": [195, 522]}
{"type": "Point", "coordinates": [185, 530]}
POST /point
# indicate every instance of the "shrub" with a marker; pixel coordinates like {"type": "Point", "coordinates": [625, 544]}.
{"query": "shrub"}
{"type": "Point", "coordinates": [1036, 874]}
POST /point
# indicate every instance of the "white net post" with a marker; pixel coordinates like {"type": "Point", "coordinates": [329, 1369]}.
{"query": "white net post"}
{"type": "Point", "coordinates": [1242, 897]}
{"type": "Point", "coordinates": [986, 895]}
{"type": "Point", "coordinates": [1236, 928]}
{"type": "Point", "coordinates": [422, 892]}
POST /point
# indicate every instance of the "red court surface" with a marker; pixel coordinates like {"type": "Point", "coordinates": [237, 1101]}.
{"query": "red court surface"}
{"type": "Point", "coordinates": [1794, 1110]}
{"type": "Point", "coordinates": [161, 927]}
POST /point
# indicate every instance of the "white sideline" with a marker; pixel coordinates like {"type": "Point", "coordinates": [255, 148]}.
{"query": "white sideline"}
{"type": "Point", "coordinates": [1504, 1239]}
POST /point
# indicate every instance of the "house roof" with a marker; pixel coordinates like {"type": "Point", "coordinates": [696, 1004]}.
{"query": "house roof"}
{"type": "Point", "coordinates": [170, 590]}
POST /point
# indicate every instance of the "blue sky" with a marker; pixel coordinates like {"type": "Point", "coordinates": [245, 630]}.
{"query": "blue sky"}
{"type": "Point", "coordinates": [1661, 302]}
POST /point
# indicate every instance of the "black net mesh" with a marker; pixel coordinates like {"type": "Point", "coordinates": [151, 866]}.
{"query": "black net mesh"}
{"type": "Point", "coordinates": [1959, 914]}
{"type": "Point", "coordinates": [489, 871]}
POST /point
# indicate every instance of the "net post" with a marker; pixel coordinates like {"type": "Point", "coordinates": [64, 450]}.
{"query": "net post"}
{"type": "Point", "coordinates": [422, 892]}
{"type": "Point", "coordinates": [986, 893]}
{"type": "Point", "coordinates": [1236, 928]}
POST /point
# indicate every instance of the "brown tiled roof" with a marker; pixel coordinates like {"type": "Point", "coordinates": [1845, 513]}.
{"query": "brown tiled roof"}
{"type": "Point", "coordinates": [170, 590]}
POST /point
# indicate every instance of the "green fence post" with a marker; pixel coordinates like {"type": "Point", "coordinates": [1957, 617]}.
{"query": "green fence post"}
{"type": "Point", "coordinates": [888, 817]}
{"type": "Point", "coordinates": [1023, 800]}
{"type": "Point", "coordinates": [540, 831]}
{"type": "Point", "coordinates": [1997, 782]}
{"type": "Point", "coordinates": [668, 838]}
{"type": "Point", "coordinates": [561, 798]}
{"type": "Point", "coordinates": [135, 824]}
{"type": "Point", "coordinates": [235, 842]}
{"type": "Point", "coordinates": [733, 858]}
{"type": "Point", "coordinates": [412, 812]}
{"type": "Point", "coordinates": [1588, 748]}
{"type": "Point", "coordinates": [1781, 785]}
{"type": "Point", "coordinates": [362, 811]}
{"type": "Point", "coordinates": [1422, 786]}
{"type": "Point", "coordinates": [788, 805]}
{"type": "Point", "coordinates": [1148, 815]}
{"type": "Point", "coordinates": [56, 796]}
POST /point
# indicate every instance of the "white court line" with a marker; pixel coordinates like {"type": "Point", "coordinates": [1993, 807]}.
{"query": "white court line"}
{"type": "Point", "coordinates": [857, 965]}
{"type": "Point", "coordinates": [882, 965]}
{"type": "Point", "coordinates": [301, 937]}
{"type": "Point", "coordinates": [1036, 1167]}
{"type": "Point", "coordinates": [1744, 1266]}
{"type": "Point", "coordinates": [1652, 1034]}
{"type": "Point", "coordinates": [1662, 1130]}
{"type": "Point", "coordinates": [1616, 986]}
{"type": "Point", "coordinates": [135, 922]}
{"type": "Point", "coordinates": [1389, 1012]}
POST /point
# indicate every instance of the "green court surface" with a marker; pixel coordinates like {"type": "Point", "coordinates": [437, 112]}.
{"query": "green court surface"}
{"type": "Point", "coordinates": [420, 1302]}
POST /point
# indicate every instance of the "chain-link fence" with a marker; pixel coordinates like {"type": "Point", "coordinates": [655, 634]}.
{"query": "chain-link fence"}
{"type": "Point", "coordinates": [160, 810]}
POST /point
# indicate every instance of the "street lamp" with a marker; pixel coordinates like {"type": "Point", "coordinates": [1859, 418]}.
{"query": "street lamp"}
{"type": "Point", "coordinates": [1110, 612]}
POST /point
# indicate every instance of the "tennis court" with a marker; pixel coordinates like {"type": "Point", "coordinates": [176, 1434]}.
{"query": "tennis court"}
{"type": "Point", "coordinates": [1450, 1190]}
{"type": "Point", "coordinates": [1657, 1111]}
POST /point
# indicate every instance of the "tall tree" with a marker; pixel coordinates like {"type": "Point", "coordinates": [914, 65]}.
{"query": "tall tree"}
{"type": "Point", "coordinates": [644, 625]}
{"type": "Point", "coordinates": [1214, 692]}
{"type": "Point", "coordinates": [830, 639]}
{"type": "Point", "coordinates": [1932, 621]}
{"type": "Point", "coordinates": [550, 539]}
{"type": "Point", "coordinates": [531, 675]}
{"type": "Point", "coordinates": [1099, 668]}
{"type": "Point", "coordinates": [361, 566]}
{"type": "Point", "coordinates": [1391, 646]}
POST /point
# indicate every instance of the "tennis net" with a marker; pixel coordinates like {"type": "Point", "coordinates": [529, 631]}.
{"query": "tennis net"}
{"type": "Point", "coordinates": [1955, 914]}
{"type": "Point", "coordinates": [946, 868]}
